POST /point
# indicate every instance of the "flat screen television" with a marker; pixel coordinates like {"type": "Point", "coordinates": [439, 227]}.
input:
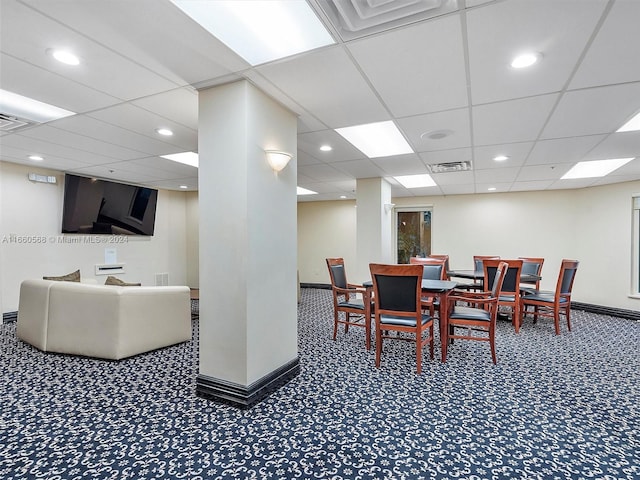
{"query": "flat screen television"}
{"type": "Point", "coordinates": [96, 206]}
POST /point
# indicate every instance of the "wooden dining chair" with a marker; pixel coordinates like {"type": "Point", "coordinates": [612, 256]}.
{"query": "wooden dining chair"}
{"type": "Point", "coordinates": [446, 263]}
{"type": "Point", "coordinates": [397, 291]}
{"type": "Point", "coordinates": [478, 268]}
{"type": "Point", "coordinates": [531, 266]}
{"type": "Point", "coordinates": [476, 320]}
{"type": "Point", "coordinates": [510, 292]}
{"type": "Point", "coordinates": [552, 304]}
{"type": "Point", "coordinates": [432, 269]}
{"type": "Point", "coordinates": [350, 300]}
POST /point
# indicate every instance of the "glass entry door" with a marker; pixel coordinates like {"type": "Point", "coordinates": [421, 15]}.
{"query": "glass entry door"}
{"type": "Point", "coordinates": [413, 233]}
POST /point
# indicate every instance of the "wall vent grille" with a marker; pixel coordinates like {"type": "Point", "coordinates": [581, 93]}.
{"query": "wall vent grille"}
{"type": "Point", "coordinates": [162, 279]}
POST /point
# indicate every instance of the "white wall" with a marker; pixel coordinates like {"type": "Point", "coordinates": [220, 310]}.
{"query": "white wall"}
{"type": "Point", "coordinates": [591, 225]}
{"type": "Point", "coordinates": [34, 210]}
{"type": "Point", "coordinates": [193, 268]}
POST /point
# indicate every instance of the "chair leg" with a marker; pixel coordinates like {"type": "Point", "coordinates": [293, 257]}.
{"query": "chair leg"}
{"type": "Point", "coordinates": [346, 325]}
{"type": "Point", "coordinates": [517, 319]}
{"type": "Point", "coordinates": [431, 340]}
{"type": "Point", "coordinates": [567, 314]}
{"type": "Point", "coordinates": [378, 345]}
{"type": "Point", "coordinates": [419, 351]}
{"type": "Point", "coordinates": [335, 324]}
{"type": "Point", "coordinates": [556, 321]}
{"type": "Point", "coordinates": [492, 344]}
{"type": "Point", "coordinates": [367, 330]}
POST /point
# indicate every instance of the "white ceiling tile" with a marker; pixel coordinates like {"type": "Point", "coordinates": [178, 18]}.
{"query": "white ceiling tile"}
{"type": "Point", "coordinates": [517, 153]}
{"type": "Point", "coordinates": [446, 156]}
{"type": "Point", "coordinates": [458, 189]}
{"type": "Point", "coordinates": [616, 145]}
{"type": "Point", "coordinates": [326, 82]}
{"type": "Point", "coordinates": [512, 121]}
{"type": "Point", "coordinates": [562, 150]}
{"type": "Point", "coordinates": [542, 172]}
{"type": "Point", "coordinates": [593, 111]}
{"type": "Point", "coordinates": [178, 106]}
{"type": "Point", "coordinates": [364, 168]}
{"type": "Point", "coordinates": [612, 57]}
{"type": "Point", "coordinates": [401, 165]}
{"type": "Point", "coordinates": [501, 175]}
{"type": "Point", "coordinates": [34, 82]}
{"type": "Point", "coordinates": [523, 186]}
{"type": "Point", "coordinates": [499, 32]}
{"type": "Point", "coordinates": [342, 150]}
{"type": "Point", "coordinates": [431, 58]}
{"type": "Point", "coordinates": [453, 178]}
{"type": "Point", "coordinates": [322, 173]}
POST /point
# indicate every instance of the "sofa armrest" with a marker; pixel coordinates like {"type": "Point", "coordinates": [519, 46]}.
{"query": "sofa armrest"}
{"type": "Point", "coordinates": [33, 312]}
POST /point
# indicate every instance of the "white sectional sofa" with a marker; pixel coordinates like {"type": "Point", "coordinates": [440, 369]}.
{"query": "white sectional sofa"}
{"type": "Point", "coordinates": [100, 320]}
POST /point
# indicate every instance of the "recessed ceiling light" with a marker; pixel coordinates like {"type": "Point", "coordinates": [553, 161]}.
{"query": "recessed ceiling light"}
{"type": "Point", "coordinates": [632, 125]}
{"type": "Point", "coordinates": [30, 109]}
{"type": "Point", "coordinates": [595, 168]}
{"type": "Point", "coordinates": [304, 191]}
{"type": "Point", "coordinates": [491, 189]}
{"type": "Point", "coordinates": [65, 56]}
{"type": "Point", "coordinates": [183, 186]}
{"type": "Point", "coordinates": [525, 60]}
{"type": "Point", "coordinates": [326, 148]}
{"type": "Point", "coordinates": [500, 158]}
{"type": "Point", "coordinates": [188, 158]}
{"type": "Point", "coordinates": [36, 158]}
{"type": "Point", "coordinates": [381, 139]}
{"type": "Point", "coordinates": [416, 181]}
{"type": "Point", "coordinates": [164, 131]}
{"type": "Point", "coordinates": [257, 30]}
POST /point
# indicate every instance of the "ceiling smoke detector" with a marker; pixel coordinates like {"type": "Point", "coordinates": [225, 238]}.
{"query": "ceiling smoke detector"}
{"type": "Point", "coordinates": [358, 18]}
{"type": "Point", "coordinates": [436, 134]}
{"type": "Point", "coordinates": [449, 167]}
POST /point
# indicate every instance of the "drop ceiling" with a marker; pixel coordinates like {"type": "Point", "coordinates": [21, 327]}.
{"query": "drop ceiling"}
{"type": "Point", "coordinates": [438, 68]}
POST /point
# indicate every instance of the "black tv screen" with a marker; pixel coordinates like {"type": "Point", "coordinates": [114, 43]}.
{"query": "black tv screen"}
{"type": "Point", "coordinates": [97, 206]}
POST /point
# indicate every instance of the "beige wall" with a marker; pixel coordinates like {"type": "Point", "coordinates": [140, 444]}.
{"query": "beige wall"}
{"type": "Point", "coordinates": [591, 225]}
{"type": "Point", "coordinates": [34, 210]}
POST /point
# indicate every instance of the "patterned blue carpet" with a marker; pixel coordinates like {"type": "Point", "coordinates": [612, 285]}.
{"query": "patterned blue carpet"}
{"type": "Point", "coordinates": [565, 407]}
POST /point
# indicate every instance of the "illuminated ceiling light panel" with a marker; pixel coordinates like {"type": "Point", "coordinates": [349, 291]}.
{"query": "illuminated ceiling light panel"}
{"type": "Point", "coordinates": [30, 109]}
{"type": "Point", "coordinates": [632, 125]}
{"type": "Point", "coordinates": [595, 168]}
{"type": "Point", "coordinates": [416, 181]}
{"type": "Point", "coordinates": [304, 191]}
{"type": "Point", "coordinates": [381, 139]}
{"type": "Point", "coordinates": [260, 30]}
{"type": "Point", "coordinates": [66, 57]}
{"type": "Point", "coordinates": [188, 158]}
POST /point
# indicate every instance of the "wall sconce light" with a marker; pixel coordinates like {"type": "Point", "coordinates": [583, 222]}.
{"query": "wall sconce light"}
{"type": "Point", "coordinates": [277, 160]}
{"type": "Point", "coordinates": [388, 207]}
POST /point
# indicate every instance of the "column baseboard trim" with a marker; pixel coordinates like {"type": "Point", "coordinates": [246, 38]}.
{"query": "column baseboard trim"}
{"type": "Point", "coordinates": [242, 396]}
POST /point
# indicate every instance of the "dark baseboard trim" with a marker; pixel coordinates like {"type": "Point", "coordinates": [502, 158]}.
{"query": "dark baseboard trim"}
{"type": "Point", "coordinates": [9, 317]}
{"type": "Point", "coordinates": [245, 396]}
{"type": "Point", "coordinates": [611, 311]}
{"type": "Point", "coordinates": [322, 286]}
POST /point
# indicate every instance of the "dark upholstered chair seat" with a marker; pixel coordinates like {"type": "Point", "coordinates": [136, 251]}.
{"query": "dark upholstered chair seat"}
{"type": "Point", "coordinates": [546, 297]}
{"type": "Point", "coordinates": [352, 303]}
{"type": "Point", "coordinates": [469, 313]}
{"type": "Point", "coordinates": [404, 321]}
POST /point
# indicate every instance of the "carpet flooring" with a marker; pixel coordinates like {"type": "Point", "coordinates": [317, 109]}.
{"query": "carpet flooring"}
{"type": "Point", "coordinates": [555, 407]}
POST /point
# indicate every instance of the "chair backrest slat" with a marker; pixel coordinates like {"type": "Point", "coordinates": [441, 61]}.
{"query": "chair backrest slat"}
{"type": "Point", "coordinates": [397, 288]}
{"type": "Point", "coordinates": [567, 275]}
{"type": "Point", "coordinates": [511, 282]}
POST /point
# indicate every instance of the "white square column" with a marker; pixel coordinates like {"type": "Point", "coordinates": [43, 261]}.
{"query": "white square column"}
{"type": "Point", "coordinates": [374, 224]}
{"type": "Point", "coordinates": [248, 244]}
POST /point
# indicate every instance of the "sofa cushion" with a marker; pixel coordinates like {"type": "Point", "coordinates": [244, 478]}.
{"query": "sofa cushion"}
{"type": "Point", "coordinates": [111, 280]}
{"type": "Point", "coordinates": [69, 277]}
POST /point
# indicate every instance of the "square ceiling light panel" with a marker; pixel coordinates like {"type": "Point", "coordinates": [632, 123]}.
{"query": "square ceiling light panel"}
{"type": "Point", "coordinates": [595, 168]}
{"type": "Point", "coordinates": [380, 139]}
{"type": "Point", "coordinates": [187, 158]}
{"type": "Point", "coordinates": [30, 109]}
{"type": "Point", "coordinates": [260, 30]}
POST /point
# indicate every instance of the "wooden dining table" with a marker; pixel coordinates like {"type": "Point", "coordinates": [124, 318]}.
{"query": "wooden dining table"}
{"type": "Point", "coordinates": [479, 275]}
{"type": "Point", "coordinates": [436, 288]}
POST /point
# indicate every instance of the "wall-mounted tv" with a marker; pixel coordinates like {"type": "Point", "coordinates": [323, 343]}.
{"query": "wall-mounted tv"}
{"type": "Point", "coordinates": [96, 206]}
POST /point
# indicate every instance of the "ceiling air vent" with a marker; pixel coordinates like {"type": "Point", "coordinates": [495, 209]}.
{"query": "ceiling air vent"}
{"type": "Point", "coordinates": [358, 18]}
{"type": "Point", "coordinates": [10, 123]}
{"type": "Point", "coordinates": [450, 167]}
